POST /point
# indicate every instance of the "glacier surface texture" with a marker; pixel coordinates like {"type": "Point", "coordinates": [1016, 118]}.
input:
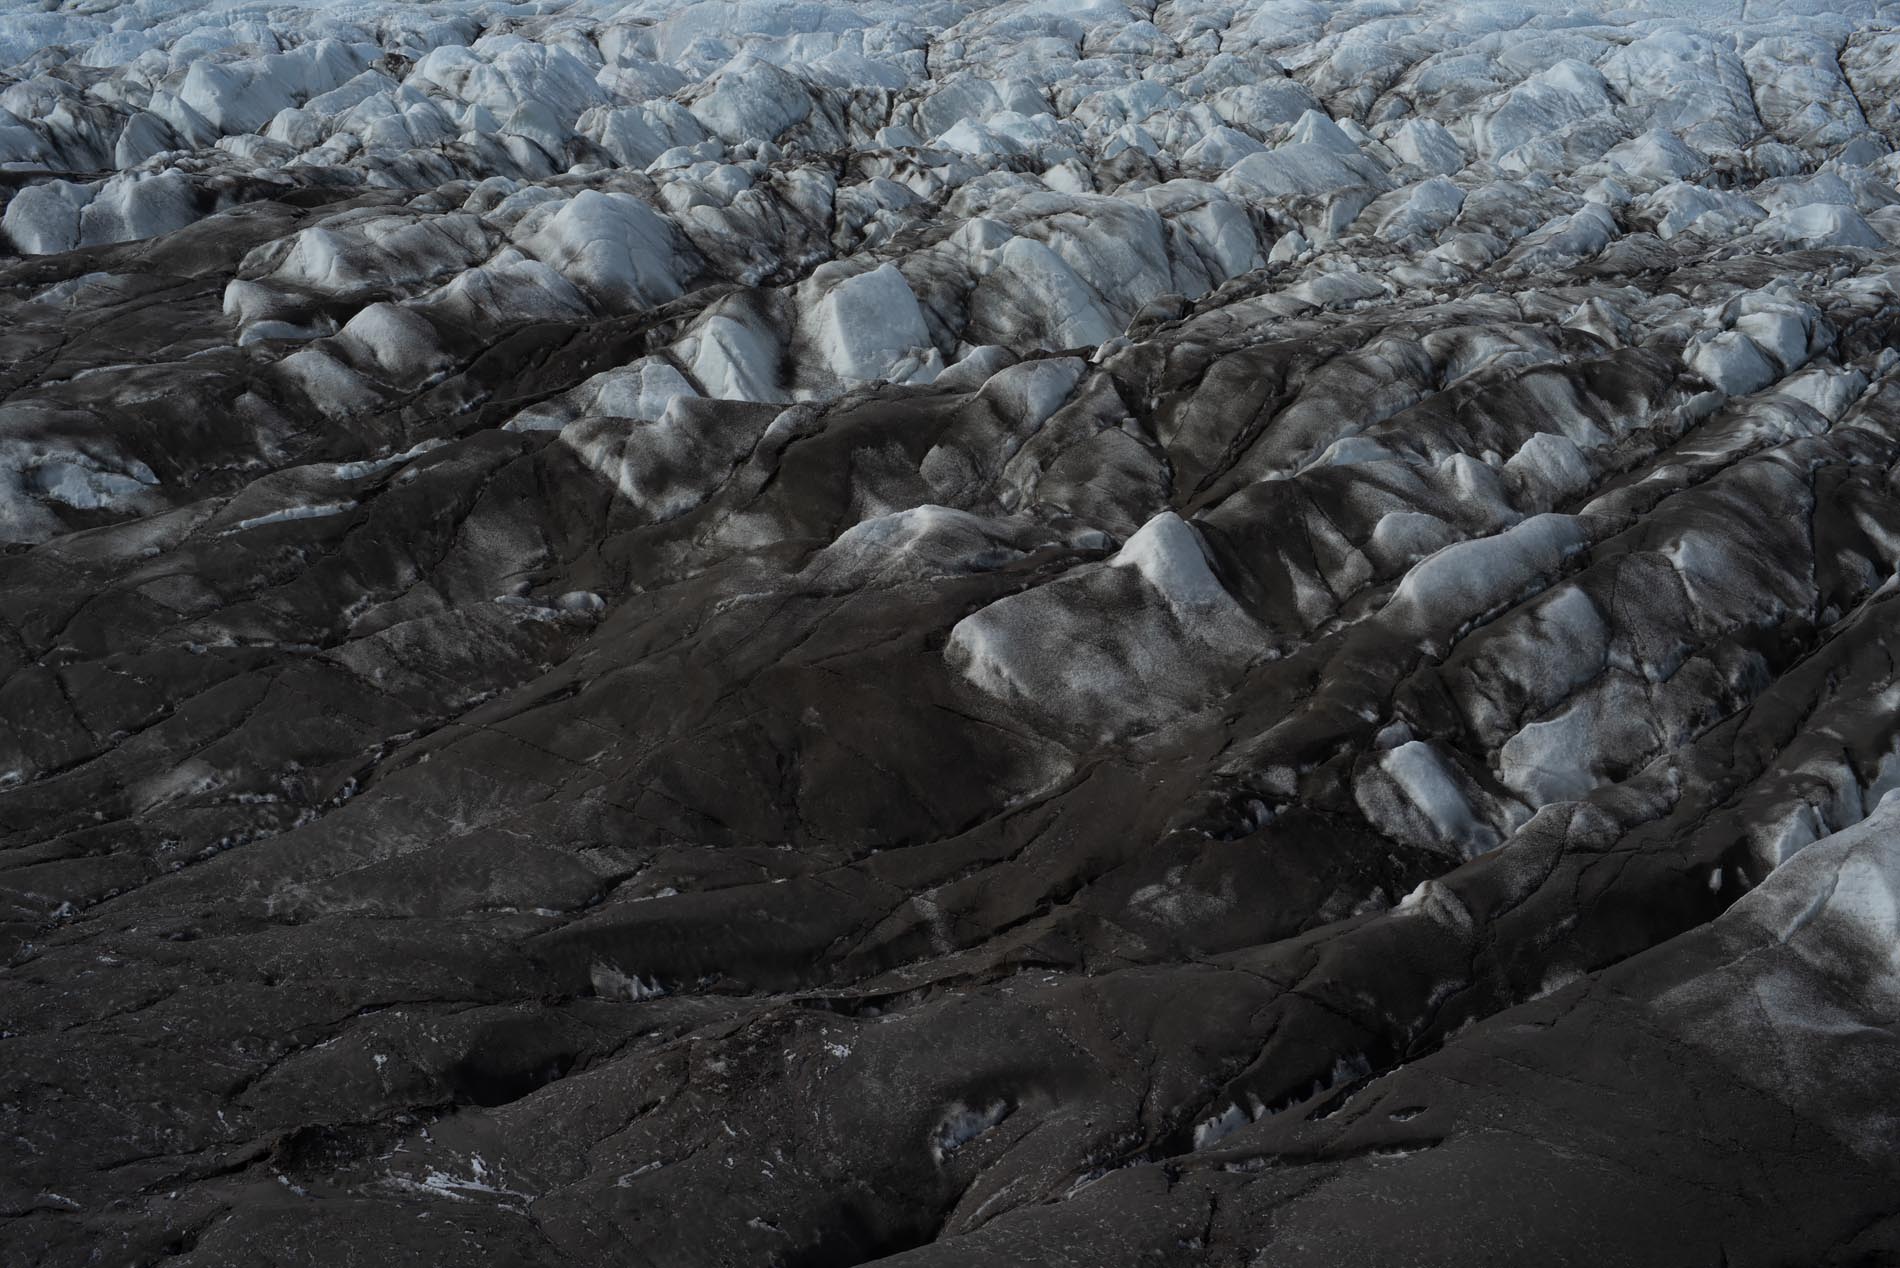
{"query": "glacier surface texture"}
{"type": "Point", "coordinates": [950, 633]}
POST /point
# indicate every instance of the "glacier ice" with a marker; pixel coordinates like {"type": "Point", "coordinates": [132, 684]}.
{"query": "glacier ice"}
{"type": "Point", "coordinates": [1274, 615]}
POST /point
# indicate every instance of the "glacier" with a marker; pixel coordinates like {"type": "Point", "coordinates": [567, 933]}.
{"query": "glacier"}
{"type": "Point", "coordinates": [949, 632]}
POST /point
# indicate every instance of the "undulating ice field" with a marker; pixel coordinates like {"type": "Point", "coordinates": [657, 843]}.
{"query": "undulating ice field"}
{"type": "Point", "coordinates": [953, 634]}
